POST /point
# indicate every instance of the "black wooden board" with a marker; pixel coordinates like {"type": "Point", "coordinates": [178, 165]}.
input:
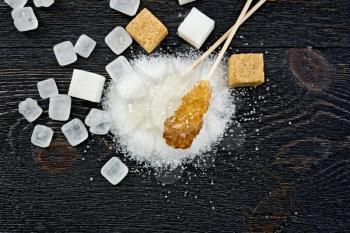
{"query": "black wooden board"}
{"type": "Point", "coordinates": [286, 168]}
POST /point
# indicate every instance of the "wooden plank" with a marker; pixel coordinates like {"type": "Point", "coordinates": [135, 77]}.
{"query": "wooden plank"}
{"type": "Point", "coordinates": [297, 23]}
{"type": "Point", "coordinates": [285, 166]}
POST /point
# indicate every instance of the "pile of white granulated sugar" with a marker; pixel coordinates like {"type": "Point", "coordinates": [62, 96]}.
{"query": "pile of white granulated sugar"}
{"type": "Point", "coordinates": [139, 103]}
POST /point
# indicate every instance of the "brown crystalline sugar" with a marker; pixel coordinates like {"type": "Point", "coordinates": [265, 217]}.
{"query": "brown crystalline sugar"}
{"type": "Point", "coordinates": [183, 127]}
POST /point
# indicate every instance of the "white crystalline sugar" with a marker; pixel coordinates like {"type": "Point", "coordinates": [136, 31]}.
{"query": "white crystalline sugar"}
{"type": "Point", "coordinates": [128, 7]}
{"type": "Point", "coordinates": [118, 68]}
{"type": "Point", "coordinates": [16, 3]}
{"type": "Point", "coordinates": [43, 3]}
{"type": "Point", "coordinates": [138, 123]}
{"type": "Point", "coordinates": [42, 136]}
{"type": "Point", "coordinates": [196, 28]}
{"type": "Point", "coordinates": [118, 40]}
{"type": "Point", "coordinates": [84, 46]}
{"type": "Point", "coordinates": [86, 85]}
{"type": "Point", "coordinates": [24, 19]}
{"type": "Point", "coordinates": [114, 170]}
{"type": "Point", "coordinates": [65, 53]}
{"type": "Point", "coordinates": [59, 107]}
{"type": "Point", "coordinates": [47, 88]}
{"type": "Point", "coordinates": [101, 129]}
{"type": "Point", "coordinates": [75, 132]}
{"type": "Point", "coordinates": [131, 87]}
{"type": "Point", "coordinates": [129, 115]}
{"type": "Point", "coordinates": [97, 117]}
{"type": "Point", "coordinates": [183, 2]}
{"type": "Point", "coordinates": [165, 103]}
{"type": "Point", "coordinates": [30, 109]}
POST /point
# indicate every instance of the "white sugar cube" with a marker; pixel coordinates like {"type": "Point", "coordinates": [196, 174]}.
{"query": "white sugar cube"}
{"type": "Point", "coordinates": [86, 86]}
{"type": "Point", "coordinates": [43, 3]}
{"type": "Point", "coordinates": [42, 136]}
{"type": "Point", "coordinates": [47, 88]}
{"type": "Point", "coordinates": [114, 170]}
{"type": "Point", "coordinates": [118, 40]}
{"type": "Point", "coordinates": [65, 53]}
{"type": "Point", "coordinates": [30, 109]}
{"type": "Point", "coordinates": [99, 121]}
{"type": "Point", "coordinates": [75, 132]}
{"type": "Point", "coordinates": [16, 3]}
{"type": "Point", "coordinates": [128, 7]}
{"type": "Point", "coordinates": [59, 107]}
{"type": "Point", "coordinates": [196, 28]}
{"type": "Point", "coordinates": [183, 2]}
{"type": "Point", "coordinates": [84, 46]}
{"type": "Point", "coordinates": [97, 117]}
{"type": "Point", "coordinates": [24, 19]}
{"type": "Point", "coordinates": [118, 68]}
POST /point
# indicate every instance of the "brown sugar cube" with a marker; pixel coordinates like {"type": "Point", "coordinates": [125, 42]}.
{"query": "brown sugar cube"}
{"type": "Point", "coordinates": [246, 70]}
{"type": "Point", "coordinates": [147, 30]}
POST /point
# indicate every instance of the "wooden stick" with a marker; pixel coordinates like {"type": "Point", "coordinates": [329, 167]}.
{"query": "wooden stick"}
{"type": "Point", "coordinates": [229, 39]}
{"type": "Point", "coordinates": [224, 37]}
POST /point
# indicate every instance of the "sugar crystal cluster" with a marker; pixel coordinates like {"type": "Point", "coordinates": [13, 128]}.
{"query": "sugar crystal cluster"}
{"type": "Point", "coordinates": [75, 132]}
{"type": "Point", "coordinates": [47, 88]}
{"type": "Point", "coordinates": [183, 2]}
{"type": "Point", "coordinates": [43, 3]}
{"type": "Point", "coordinates": [16, 3]}
{"type": "Point", "coordinates": [84, 46]}
{"type": "Point", "coordinates": [98, 121]}
{"type": "Point", "coordinates": [119, 68]}
{"type": "Point", "coordinates": [128, 7]}
{"type": "Point", "coordinates": [65, 53]}
{"type": "Point", "coordinates": [118, 40]}
{"type": "Point", "coordinates": [59, 108]}
{"type": "Point", "coordinates": [24, 19]}
{"type": "Point", "coordinates": [114, 170]}
{"type": "Point", "coordinates": [30, 109]}
{"type": "Point", "coordinates": [42, 136]}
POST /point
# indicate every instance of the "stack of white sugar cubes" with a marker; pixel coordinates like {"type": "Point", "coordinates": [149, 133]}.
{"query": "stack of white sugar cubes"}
{"type": "Point", "coordinates": [24, 17]}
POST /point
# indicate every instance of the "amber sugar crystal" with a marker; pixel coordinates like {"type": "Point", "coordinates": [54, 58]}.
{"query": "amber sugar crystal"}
{"type": "Point", "coordinates": [183, 127]}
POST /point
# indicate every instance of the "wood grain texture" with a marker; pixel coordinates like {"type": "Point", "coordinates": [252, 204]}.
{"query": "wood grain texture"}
{"type": "Point", "coordinates": [284, 167]}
